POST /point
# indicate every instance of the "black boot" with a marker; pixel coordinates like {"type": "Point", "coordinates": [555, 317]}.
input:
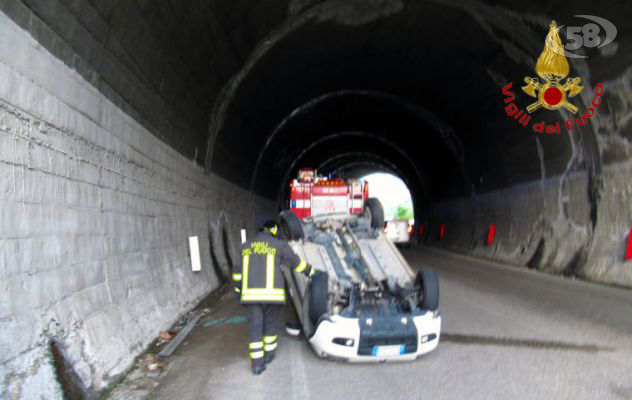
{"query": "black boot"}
{"type": "Point", "coordinates": [258, 368]}
{"type": "Point", "coordinates": [269, 357]}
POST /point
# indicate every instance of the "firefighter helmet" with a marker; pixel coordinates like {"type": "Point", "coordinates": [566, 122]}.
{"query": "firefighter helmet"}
{"type": "Point", "coordinates": [270, 226]}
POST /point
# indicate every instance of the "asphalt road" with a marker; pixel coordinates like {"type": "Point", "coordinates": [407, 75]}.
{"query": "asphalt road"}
{"type": "Point", "coordinates": [507, 333]}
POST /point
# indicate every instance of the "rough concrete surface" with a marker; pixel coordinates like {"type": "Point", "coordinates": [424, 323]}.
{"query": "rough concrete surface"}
{"type": "Point", "coordinates": [507, 334]}
{"type": "Point", "coordinates": [546, 225]}
{"type": "Point", "coordinates": [606, 262]}
{"type": "Point", "coordinates": [94, 217]}
{"type": "Point", "coordinates": [524, 215]}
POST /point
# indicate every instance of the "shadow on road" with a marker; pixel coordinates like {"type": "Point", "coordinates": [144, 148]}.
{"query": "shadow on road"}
{"type": "Point", "coordinates": [514, 342]}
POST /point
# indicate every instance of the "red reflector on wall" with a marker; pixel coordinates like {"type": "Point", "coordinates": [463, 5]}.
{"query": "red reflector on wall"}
{"type": "Point", "coordinates": [422, 229]}
{"type": "Point", "coordinates": [442, 231]}
{"type": "Point", "coordinates": [628, 252]}
{"type": "Point", "coordinates": [491, 233]}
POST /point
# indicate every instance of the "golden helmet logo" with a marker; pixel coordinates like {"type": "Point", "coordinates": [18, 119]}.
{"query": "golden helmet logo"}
{"type": "Point", "coordinates": [552, 67]}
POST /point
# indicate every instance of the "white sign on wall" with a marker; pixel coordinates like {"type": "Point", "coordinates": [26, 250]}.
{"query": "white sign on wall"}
{"type": "Point", "coordinates": [194, 250]}
{"type": "Point", "coordinates": [243, 236]}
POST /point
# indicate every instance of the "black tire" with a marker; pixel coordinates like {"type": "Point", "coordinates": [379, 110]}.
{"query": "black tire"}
{"type": "Point", "coordinates": [318, 296]}
{"type": "Point", "coordinates": [375, 212]}
{"type": "Point", "coordinates": [291, 227]}
{"type": "Point", "coordinates": [429, 287]}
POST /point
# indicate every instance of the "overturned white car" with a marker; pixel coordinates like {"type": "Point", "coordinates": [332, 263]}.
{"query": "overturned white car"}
{"type": "Point", "coordinates": [368, 305]}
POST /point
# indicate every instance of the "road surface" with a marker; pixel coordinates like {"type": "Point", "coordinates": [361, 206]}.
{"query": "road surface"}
{"type": "Point", "coordinates": [508, 333]}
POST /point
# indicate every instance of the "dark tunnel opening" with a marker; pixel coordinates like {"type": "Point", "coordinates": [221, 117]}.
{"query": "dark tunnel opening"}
{"type": "Point", "coordinates": [415, 99]}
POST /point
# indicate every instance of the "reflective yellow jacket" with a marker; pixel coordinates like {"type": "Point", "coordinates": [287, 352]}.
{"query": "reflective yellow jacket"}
{"type": "Point", "coordinates": [258, 276]}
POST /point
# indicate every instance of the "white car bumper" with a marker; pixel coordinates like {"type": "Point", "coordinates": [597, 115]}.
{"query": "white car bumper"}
{"type": "Point", "coordinates": [339, 338]}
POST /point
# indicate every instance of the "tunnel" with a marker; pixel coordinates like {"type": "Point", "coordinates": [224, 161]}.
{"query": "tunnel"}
{"type": "Point", "coordinates": [127, 127]}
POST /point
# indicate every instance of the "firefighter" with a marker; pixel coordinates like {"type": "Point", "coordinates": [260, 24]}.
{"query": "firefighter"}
{"type": "Point", "coordinates": [259, 281]}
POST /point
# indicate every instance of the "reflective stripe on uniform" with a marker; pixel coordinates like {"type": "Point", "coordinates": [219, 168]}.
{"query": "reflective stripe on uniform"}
{"type": "Point", "coordinates": [245, 263]}
{"type": "Point", "coordinates": [263, 297]}
{"type": "Point", "coordinates": [258, 349]}
{"type": "Point", "coordinates": [257, 354]}
{"type": "Point", "coordinates": [236, 277]}
{"type": "Point", "coordinates": [238, 290]}
{"type": "Point", "coordinates": [270, 271]}
{"type": "Point", "coordinates": [269, 293]}
{"type": "Point", "coordinates": [270, 342]}
{"type": "Point", "coordinates": [255, 345]}
{"type": "Point", "coordinates": [270, 339]}
{"type": "Point", "coordinates": [263, 291]}
{"type": "Point", "coordinates": [301, 266]}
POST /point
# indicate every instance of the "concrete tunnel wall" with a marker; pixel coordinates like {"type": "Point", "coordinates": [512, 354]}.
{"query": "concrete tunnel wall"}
{"type": "Point", "coordinates": [95, 213]}
{"type": "Point", "coordinates": [575, 223]}
{"type": "Point", "coordinates": [537, 226]}
{"type": "Point", "coordinates": [104, 122]}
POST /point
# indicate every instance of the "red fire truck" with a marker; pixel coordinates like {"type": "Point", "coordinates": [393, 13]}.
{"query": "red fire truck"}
{"type": "Point", "coordinates": [312, 195]}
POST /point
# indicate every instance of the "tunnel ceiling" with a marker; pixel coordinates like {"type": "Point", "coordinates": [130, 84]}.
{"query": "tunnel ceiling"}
{"type": "Point", "coordinates": [255, 90]}
{"type": "Point", "coordinates": [411, 88]}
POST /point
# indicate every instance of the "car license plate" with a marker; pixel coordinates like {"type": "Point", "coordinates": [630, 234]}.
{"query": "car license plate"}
{"type": "Point", "coordinates": [389, 350]}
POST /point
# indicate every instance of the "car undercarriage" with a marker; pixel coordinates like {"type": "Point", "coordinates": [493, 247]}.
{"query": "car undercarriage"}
{"type": "Point", "coordinates": [365, 303]}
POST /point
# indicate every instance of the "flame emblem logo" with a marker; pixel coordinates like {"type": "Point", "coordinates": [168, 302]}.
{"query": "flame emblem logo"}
{"type": "Point", "coordinates": [552, 67]}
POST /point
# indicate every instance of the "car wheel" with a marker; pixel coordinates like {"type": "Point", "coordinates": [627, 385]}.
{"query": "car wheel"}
{"type": "Point", "coordinates": [290, 225]}
{"type": "Point", "coordinates": [318, 296]}
{"type": "Point", "coordinates": [429, 287]}
{"type": "Point", "coordinates": [374, 211]}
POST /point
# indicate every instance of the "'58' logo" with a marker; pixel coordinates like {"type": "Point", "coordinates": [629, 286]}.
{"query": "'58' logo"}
{"type": "Point", "coordinates": [589, 35]}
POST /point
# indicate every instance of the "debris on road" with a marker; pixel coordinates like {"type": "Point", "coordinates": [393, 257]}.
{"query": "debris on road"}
{"type": "Point", "coordinates": [153, 363]}
{"type": "Point", "coordinates": [153, 374]}
{"type": "Point", "coordinates": [154, 366]}
{"type": "Point", "coordinates": [173, 344]}
{"type": "Point", "coordinates": [150, 367]}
